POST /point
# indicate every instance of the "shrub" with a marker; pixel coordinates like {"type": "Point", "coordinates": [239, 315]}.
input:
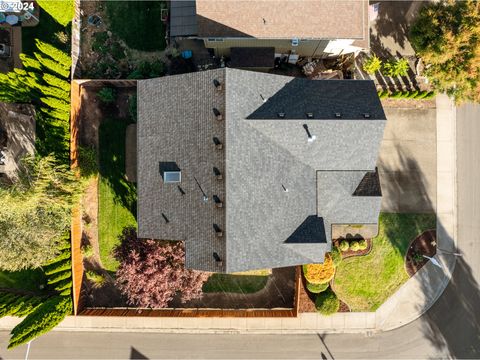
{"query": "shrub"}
{"type": "Point", "coordinates": [362, 244]}
{"type": "Point", "coordinates": [320, 273]}
{"type": "Point", "coordinates": [412, 94]}
{"type": "Point", "coordinates": [336, 256]}
{"type": "Point", "coordinates": [96, 278]}
{"type": "Point", "coordinates": [430, 95]}
{"type": "Point", "coordinates": [372, 65]}
{"type": "Point", "coordinates": [395, 68]}
{"type": "Point", "coordinates": [421, 94]}
{"type": "Point", "coordinates": [87, 161]}
{"type": "Point", "coordinates": [317, 288]}
{"type": "Point", "coordinates": [383, 94]}
{"type": "Point", "coordinates": [146, 70]}
{"type": "Point", "coordinates": [344, 245]}
{"type": "Point", "coordinates": [354, 246]}
{"type": "Point", "coordinates": [327, 303]}
{"type": "Point", "coordinates": [43, 319]}
{"type": "Point", "coordinates": [132, 107]}
{"type": "Point", "coordinates": [107, 95]}
{"type": "Point", "coordinates": [87, 251]}
{"type": "Point", "coordinates": [401, 67]}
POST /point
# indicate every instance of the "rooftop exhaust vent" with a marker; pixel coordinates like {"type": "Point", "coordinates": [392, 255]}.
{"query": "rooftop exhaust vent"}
{"type": "Point", "coordinates": [217, 114]}
{"type": "Point", "coordinates": [281, 115]}
{"type": "Point", "coordinates": [338, 115]}
{"type": "Point", "coordinates": [366, 116]}
{"type": "Point", "coordinates": [217, 84]}
{"type": "Point", "coordinates": [217, 258]}
{"type": "Point", "coordinates": [172, 176]}
{"type": "Point", "coordinates": [218, 202]}
{"type": "Point", "coordinates": [218, 143]}
{"type": "Point", "coordinates": [309, 115]}
{"type": "Point", "coordinates": [217, 173]}
{"type": "Point", "coordinates": [217, 230]}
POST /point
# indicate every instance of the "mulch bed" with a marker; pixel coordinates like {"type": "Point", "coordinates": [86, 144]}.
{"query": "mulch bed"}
{"type": "Point", "coordinates": [306, 302]}
{"type": "Point", "coordinates": [424, 244]}
{"type": "Point", "coordinates": [350, 253]}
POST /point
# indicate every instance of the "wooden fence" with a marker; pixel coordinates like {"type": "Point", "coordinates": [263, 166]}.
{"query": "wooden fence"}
{"type": "Point", "coordinates": [76, 228]}
{"type": "Point", "coordinates": [77, 259]}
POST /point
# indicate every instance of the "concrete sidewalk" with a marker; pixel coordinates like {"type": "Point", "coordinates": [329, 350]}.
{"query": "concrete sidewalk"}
{"type": "Point", "coordinates": [414, 298]}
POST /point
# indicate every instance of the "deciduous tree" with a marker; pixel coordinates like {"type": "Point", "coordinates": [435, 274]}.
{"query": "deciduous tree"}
{"type": "Point", "coordinates": [447, 37]}
{"type": "Point", "coordinates": [152, 272]}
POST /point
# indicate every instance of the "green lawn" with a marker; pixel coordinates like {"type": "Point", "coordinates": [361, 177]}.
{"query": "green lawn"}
{"type": "Point", "coordinates": [235, 283]}
{"type": "Point", "coordinates": [24, 280]}
{"type": "Point", "coordinates": [116, 196]}
{"type": "Point", "coordinates": [365, 282]}
{"type": "Point", "coordinates": [138, 23]}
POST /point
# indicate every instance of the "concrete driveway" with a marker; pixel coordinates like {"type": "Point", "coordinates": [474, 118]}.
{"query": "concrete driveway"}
{"type": "Point", "coordinates": [407, 161]}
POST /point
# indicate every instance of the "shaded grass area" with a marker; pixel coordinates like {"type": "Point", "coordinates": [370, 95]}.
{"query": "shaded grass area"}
{"type": "Point", "coordinates": [235, 283]}
{"type": "Point", "coordinates": [29, 280]}
{"type": "Point", "coordinates": [116, 196]}
{"type": "Point", "coordinates": [365, 282]}
{"type": "Point", "coordinates": [138, 23]}
{"type": "Point", "coordinates": [47, 30]}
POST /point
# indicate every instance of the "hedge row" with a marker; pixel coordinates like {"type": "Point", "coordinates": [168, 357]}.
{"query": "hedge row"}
{"type": "Point", "coordinates": [18, 305]}
{"type": "Point", "coordinates": [406, 94]}
{"type": "Point", "coordinates": [43, 319]}
{"type": "Point", "coordinates": [43, 81]}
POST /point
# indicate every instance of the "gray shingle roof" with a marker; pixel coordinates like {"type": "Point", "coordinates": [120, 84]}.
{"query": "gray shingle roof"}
{"type": "Point", "coordinates": [281, 193]}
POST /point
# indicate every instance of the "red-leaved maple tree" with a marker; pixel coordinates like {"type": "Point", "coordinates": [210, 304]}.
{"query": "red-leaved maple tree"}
{"type": "Point", "coordinates": [152, 272]}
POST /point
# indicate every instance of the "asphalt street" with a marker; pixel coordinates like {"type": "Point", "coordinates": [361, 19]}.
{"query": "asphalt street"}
{"type": "Point", "coordinates": [450, 329]}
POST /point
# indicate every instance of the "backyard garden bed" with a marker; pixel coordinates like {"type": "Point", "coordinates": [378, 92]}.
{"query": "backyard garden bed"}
{"type": "Point", "coordinates": [111, 50]}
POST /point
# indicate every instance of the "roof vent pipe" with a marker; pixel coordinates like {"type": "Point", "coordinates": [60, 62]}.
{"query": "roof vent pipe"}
{"type": "Point", "coordinates": [217, 84]}
{"type": "Point", "coordinates": [366, 116]}
{"type": "Point", "coordinates": [309, 115]}
{"type": "Point", "coordinates": [217, 230]}
{"type": "Point", "coordinates": [338, 115]}
{"type": "Point", "coordinates": [281, 115]}
{"type": "Point", "coordinates": [218, 259]}
{"type": "Point", "coordinates": [217, 114]}
{"type": "Point", "coordinates": [218, 143]}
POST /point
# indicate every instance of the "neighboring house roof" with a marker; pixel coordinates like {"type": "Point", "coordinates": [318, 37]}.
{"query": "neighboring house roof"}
{"type": "Point", "coordinates": [283, 19]}
{"type": "Point", "coordinates": [280, 192]}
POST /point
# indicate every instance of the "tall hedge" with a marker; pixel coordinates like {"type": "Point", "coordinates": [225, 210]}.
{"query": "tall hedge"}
{"type": "Point", "coordinates": [43, 319]}
{"type": "Point", "coordinates": [61, 10]}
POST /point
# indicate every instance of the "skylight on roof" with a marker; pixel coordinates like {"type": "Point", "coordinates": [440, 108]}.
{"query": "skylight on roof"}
{"type": "Point", "coordinates": [172, 176]}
